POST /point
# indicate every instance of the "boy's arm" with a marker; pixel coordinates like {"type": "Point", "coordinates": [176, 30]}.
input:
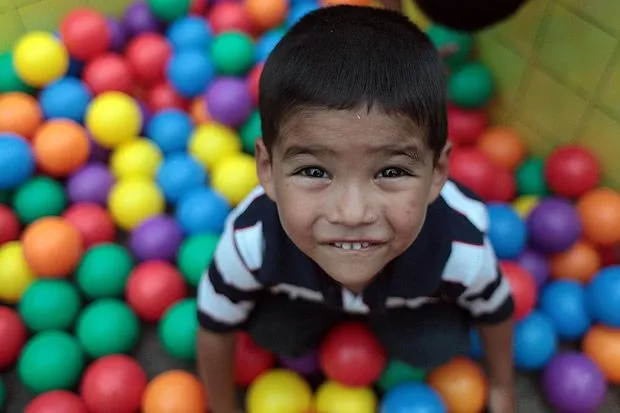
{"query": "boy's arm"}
{"type": "Point", "coordinates": [216, 357]}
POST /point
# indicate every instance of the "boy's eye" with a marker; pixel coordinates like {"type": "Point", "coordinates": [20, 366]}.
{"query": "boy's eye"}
{"type": "Point", "coordinates": [313, 172]}
{"type": "Point", "coordinates": [392, 173]}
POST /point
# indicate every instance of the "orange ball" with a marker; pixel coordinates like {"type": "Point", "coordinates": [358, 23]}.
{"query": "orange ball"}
{"type": "Point", "coordinates": [462, 385]}
{"type": "Point", "coordinates": [503, 146]}
{"type": "Point", "coordinates": [599, 210]}
{"type": "Point", "coordinates": [19, 113]}
{"type": "Point", "coordinates": [199, 111]}
{"type": "Point", "coordinates": [61, 147]}
{"type": "Point", "coordinates": [348, 2]}
{"type": "Point", "coordinates": [267, 14]}
{"type": "Point", "coordinates": [174, 391]}
{"type": "Point", "coordinates": [579, 263]}
{"type": "Point", "coordinates": [602, 345]}
{"type": "Point", "coordinates": [52, 247]}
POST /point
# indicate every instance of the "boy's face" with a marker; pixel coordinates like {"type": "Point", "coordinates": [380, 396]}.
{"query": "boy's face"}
{"type": "Point", "coordinates": [352, 187]}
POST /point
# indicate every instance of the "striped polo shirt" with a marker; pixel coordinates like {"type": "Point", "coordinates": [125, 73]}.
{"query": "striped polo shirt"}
{"type": "Point", "coordinates": [452, 259]}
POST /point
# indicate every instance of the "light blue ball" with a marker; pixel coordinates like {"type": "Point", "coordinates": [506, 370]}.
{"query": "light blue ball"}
{"type": "Point", "coordinates": [65, 98]}
{"type": "Point", "coordinates": [267, 43]}
{"type": "Point", "coordinates": [535, 342]}
{"type": "Point", "coordinates": [412, 398]}
{"type": "Point", "coordinates": [202, 211]}
{"type": "Point", "coordinates": [17, 163]}
{"type": "Point", "coordinates": [190, 32]}
{"type": "Point", "coordinates": [180, 174]}
{"type": "Point", "coordinates": [299, 9]}
{"type": "Point", "coordinates": [507, 231]}
{"type": "Point", "coordinates": [564, 302]}
{"type": "Point", "coordinates": [171, 130]}
{"type": "Point", "coordinates": [190, 72]}
{"type": "Point", "coordinates": [603, 296]}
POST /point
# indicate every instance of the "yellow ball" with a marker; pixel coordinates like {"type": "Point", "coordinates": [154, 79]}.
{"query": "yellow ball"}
{"type": "Point", "coordinates": [234, 177]}
{"type": "Point", "coordinates": [133, 200]}
{"type": "Point", "coordinates": [15, 274]}
{"type": "Point", "coordinates": [524, 204]}
{"type": "Point", "coordinates": [139, 157]}
{"type": "Point", "coordinates": [113, 118]}
{"type": "Point", "coordinates": [279, 391]}
{"type": "Point", "coordinates": [332, 397]}
{"type": "Point", "coordinates": [211, 142]}
{"type": "Point", "coordinates": [40, 58]}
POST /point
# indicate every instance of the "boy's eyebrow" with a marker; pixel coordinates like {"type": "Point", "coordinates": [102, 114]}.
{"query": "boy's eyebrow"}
{"type": "Point", "coordinates": [408, 150]}
{"type": "Point", "coordinates": [315, 150]}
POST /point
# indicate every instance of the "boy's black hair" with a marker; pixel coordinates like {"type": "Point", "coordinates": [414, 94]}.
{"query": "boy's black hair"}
{"type": "Point", "coordinates": [346, 57]}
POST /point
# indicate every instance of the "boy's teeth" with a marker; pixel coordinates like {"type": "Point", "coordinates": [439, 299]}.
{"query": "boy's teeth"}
{"type": "Point", "coordinates": [351, 245]}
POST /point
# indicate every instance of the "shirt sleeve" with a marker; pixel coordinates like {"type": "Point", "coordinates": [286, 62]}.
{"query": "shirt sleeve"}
{"type": "Point", "coordinates": [487, 295]}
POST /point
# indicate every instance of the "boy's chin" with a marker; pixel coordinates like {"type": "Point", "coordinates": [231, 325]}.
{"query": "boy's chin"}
{"type": "Point", "coordinates": [354, 275]}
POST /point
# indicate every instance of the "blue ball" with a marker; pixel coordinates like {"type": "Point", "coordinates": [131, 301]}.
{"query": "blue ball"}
{"type": "Point", "coordinates": [202, 211]}
{"type": "Point", "coordinates": [17, 163]}
{"type": "Point", "coordinates": [267, 43]}
{"type": "Point", "coordinates": [564, 302]}
{"type": "Point", "coordinates": [180, 174]}
{"type": "Point", "coordinates": [603, 296]}
{"type": "Point", "coordinates": [190, 72]}
{"type": "Point", "coordinates": [190, 32]}
{"type": "Point", "coordinates": [65, 98]}
{"type": "Point", "coordinates": [412, 398]}
{"type": "Point", "coordinates": [535, 342]}
{"type": "Point", "coordinates": [299, 9]}
{"type": "Point", "coordinates": [171, 130]}
{"type": "Point", "coordinates": [507, 231]}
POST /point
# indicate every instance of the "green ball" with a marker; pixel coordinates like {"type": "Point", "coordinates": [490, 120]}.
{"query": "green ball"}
{"type": "Point", "coordinates": [104, 270]}
{"type": "Point", "coordinates": [39, 197]}
{"type": "Point", "coordinates": [471, 86]}
{"type": "Point", "coordinates": [9, 81]}
{"type": "Point", "coordinates": [442, 36]}
{"type": "Point", "coordinates": [169, 10]}
{"type": "Point", "coordinates": [250, 132]}
{"type": "Point", "coordinates": [178, 328]}
{"type": "Point", "coordinates": [397, 372]}
{"type": "Point", "coordinates": [232, 53]}
{"type": "Point", "coordinates": [195, 256]}
{"type": "Point", "coordinates": [50, 305]}
{"type": "Point", "coordinates": [530, 176]}
{"type": "Point", "coordinates": [51, 360]}
{"type": "Point", "coordinates": [107, 326]}
{"type": "Point", "coordinates": [2, 394]}
{"type": "Point", "coordinates": [6, 197]}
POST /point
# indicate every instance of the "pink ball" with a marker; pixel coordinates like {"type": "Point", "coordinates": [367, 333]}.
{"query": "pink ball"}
{"type": "Point", "coordinates": [57, 401]}
{"type": "Point", "coordinates": [9, 225]}
{"type": "Point", "coordinates": [93, 222]}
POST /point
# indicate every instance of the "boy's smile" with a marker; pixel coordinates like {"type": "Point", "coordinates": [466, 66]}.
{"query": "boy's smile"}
{"type": "Point", "coordinates": [352, 187]}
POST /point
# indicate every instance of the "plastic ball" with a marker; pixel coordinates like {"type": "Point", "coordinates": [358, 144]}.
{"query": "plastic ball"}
{"type": "Point", "coordinates": [564, 302]}
{"type": "Point", "coordinates": [9, 80]}
{"type": "Point", "coordinates": [250, 360]}
{"type": "Point", "coordinates": [503, 146]}
{"type": "Point", "coordinates": [332, 397]}
{"type": "Point", "coordinates": [474, 169]}
{"type": "Point", "coordinates": [230, 16]}
{"type": "Point", "coordinates": [113, 118]}
{"type": "Point", "coordinates": [137, 158]}
{"type": "Point", "coordinates": [234, 177]}
{"type": "Point", "coordinates": [466, 125]}
{"type": "Point", "coordinates": [398, 372]}
{"type": "Point", "coordinates": [572, 383]}
{"type": "Point", "coordinates": [458, 43]}
{"type": "Point", "coordinates": [113, 384]}
{"type": "Point", "coordinates": [603, 296]}
{"type": "Point", "coordinates": [170, 129]}
{"type": "Point", "coordinates": [299, 10]}
{"type": "Point", "coordinates": [180, 174]}
{"type": "Point", "coordinates": [523, 288]}
{"type": "Point", "coordinates": [40, 58]}
{"type": "Point", "coordinates": [15, 272]}
{"type": "Point", "coordinates": [267, 14]}
{"type": "Point", "coordinates": [10, 228]}
{"type": "Point", "coordinates": [412, 397]}
{"type": "Point", "coordinates": [553, 225]}
{"type": "Point", "coordinates": [51, 360]}
{"type": "Point", "coordinates": [39, 197]}
{"type": "Point", "coordinates": [107, 326]}
{"type": "Point", "coordinates": [65, 98]}
{"type": "Point", "coordinates": [190, 72]}
{"type": "Point", "coordinates": [50, 305]}
{"type": "Point", "coordinates": [195, 255]}
{"type": "Point", "coordinates": [174, 391]}
{"type": "Point", "coordinates": [14, 335]}
{"type": "Point", "coordinates": [61, 147]}
{"type": "Point", "coordinates": [138, 19]}
{"type": "Point", "coordinates": [169, 10]}
{"type": "Point", "coordinates": [199, 111]}
{"type": "Point", "coordinates": [202, 210]}
{"type": "Point", "coordinates": [535, 342]}
{"type": "Point", "coordinates": [56, 401]}
{"type": "Point", "coordinates": [232, 53]}
{"type": "Point", "coordinates": [250, 132]}
{"type": "Point", "coordinates": [190, 32]}
{"type": "Point", "coordinates": [536, 264]}
{"type": "Point", "coordinates": [280, 391]}
{"type": "Point", "coordinates": [108, 72]}
{"type": "Point", "coordinates": [471, 86]}
{"type": "Point", "coordinates": [17, 161]}
{"type": "Point", "coordinates": [572, 170]}
{"type": "Point", "coordinates": [253, 81]}
{"type": "Point", "coordinates": [602, 345]}
{"type": "Point", "coordinates": [530, 177]}
{"type": "Point", "coordinates": [152, 288]}
{"type": "Point", "coordinates": [163, 96]}
{"type": "Point", "coordinates": [104, 270]}
{"type": "Point", "coordinates": [599, 211]}
{"type": "Point", "coordinates": [85, 33]}
{"type": "Point", "coordinates": [92, 184]}
{"type": "Point", "coordinates": [229, 101]}
{"type": "Point", "coordinates": [462, 385]}
{"type": "Point", "coordinates": [504, 188]}
{"type": "Point", "coordinates": [158, 237]}
{"type": "Point", "coordinates": [580, 262]}
{"type": "Point", "coordinates": [266, 43]}
{"type": "Point", "coordinates": [524, 204]}
{"type": "Point", "coordinates": [148, 54]}
{"type": "Point", "coordinates": [93, 222]}
{"type": "Point", "coordinates": [178, 329]}
{"type": "Point", "coordinates": [20, 114]}
{"type": "Point", "coordinates": [133, 200]}
{"type": "Point", "coordinates": [507, 232]}
{"type": "Point", "coordinates": [212, 142]}
{"type": "Point", "coordinates": [118, 35]}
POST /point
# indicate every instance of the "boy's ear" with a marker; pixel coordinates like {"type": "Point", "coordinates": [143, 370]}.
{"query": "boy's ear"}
{"type": "Point", "coordinates": [441, 171]}
{"type": "Point", "coordinates": [263, 168]}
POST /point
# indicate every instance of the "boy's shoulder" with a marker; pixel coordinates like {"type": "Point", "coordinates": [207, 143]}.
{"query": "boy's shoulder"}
{"type": "Point", "coordinates": [464, 208]}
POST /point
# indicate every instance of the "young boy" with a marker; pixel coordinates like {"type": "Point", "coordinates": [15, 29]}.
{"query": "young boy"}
{"type": "Point", "coordinates": [355, 216]}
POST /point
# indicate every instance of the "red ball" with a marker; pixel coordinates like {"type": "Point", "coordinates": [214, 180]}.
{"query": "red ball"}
{"type": "Point", "coordinates": [113, 384]}
{"type": "Point", "coordinates": [473, 169]}
{"type": "Point", "coordinates": [85, 33]}
{"type": "Point", "coordinates": [56, 401]}
{"type": "Point", "coordinates": [153, 287]}
{"type": "Point", "coordinates": [250, 360]}
{"type": "Point", "coordinates": [351, 355]}
{"type": "Point", "coordinates": [198, 7]}
{"type": "Point", "coordinates": [14, 335]}
{"type": "Point", "coordinates": [572, 170]}
{"type": "Point", "coordinates": [254, 80]}
{"type": "Point", "coordinates": [505, 186]}
{"type": "Point", "coordinates": [147, 55]}
{"type": "Point", "coordinates": [9, 225]}
{"type": "Point", "coordinates": [108, 72]}
{"type": "Point", "coordinates": [230, 16]}
{"type": "Point", "coordinates": [523, 288]}
{"type": "Point", "coordinates": [93, 222]}
{"type": "Point", "coordinates": [610, 255]}
{"type": "Point", "coordinates": [163, 96]}
{"type": "Point", "coordinates": [465, 125]}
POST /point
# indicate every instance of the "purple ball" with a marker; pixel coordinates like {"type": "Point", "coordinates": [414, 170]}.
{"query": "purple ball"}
{"type": "Point", "coordinates": [553, 225]}
{"type": "Point", "coordinates": [304, 365]}
{"type": "Point", "coordinates": [97, 152]}
{"type": "Point", "coordinates": [118, 37]}
{"type": "Point", "coordinates": [157, 238]}
{"type": "Point", "coordinates": [536, 264]}
{"type": "Point", "coordinates": [572, 383]}
{"type": "Point", "coordinates": [139, 19]}
{"type": "Point", "coordinates": [91, 183]}
{"type": "Point", "coordinates": [229, 101]}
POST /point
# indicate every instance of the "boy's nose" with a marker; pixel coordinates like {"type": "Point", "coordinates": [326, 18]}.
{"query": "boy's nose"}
{"type": "Point", "coordinates": [351, 207]}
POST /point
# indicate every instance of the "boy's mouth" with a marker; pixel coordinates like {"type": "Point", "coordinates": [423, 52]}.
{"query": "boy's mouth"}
{"type": "Point", "coordinates": [355, 246]}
